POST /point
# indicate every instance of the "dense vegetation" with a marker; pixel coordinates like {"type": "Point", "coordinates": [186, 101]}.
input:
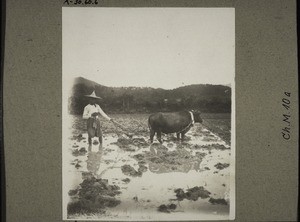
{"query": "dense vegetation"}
{"type": "Point", "coordinates": [206, 98]}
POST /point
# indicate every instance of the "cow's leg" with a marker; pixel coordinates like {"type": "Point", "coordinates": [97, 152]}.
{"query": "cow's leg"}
{"type": "Point", "coordinates": [158, 134]}
{"type": "Point", "coordinates": [100, 141]}
{"type": "Point", "coordinates": [182, 136]}
{"type": "Point", "coordinates": [152, 132]}
{"type": "Point", "coordinates": [100, 137]}
{"type": "Point", "coordinates": [178, 136]}
{"type": "Point", "coordinates": [183, 133]}
{"type": "Point", "coordinates": [90, 140]}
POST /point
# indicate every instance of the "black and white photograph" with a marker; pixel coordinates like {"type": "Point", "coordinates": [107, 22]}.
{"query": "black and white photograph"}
{"type": "Point", "coordinates": [148, 114]}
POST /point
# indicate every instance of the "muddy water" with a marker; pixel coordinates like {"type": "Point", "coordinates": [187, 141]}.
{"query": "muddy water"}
{"type": "Point", "coordinates": [142, 195]}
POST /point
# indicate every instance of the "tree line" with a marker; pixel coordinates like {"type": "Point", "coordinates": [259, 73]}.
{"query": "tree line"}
{"type": "Point", "coordinates": [204, 97]}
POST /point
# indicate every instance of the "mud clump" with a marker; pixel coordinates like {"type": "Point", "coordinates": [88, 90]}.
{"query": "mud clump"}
{"type": "Point", "coordinates": [125, 144]}
{"type": "Point", "coordinates": [183, 145]}
{"type": "Point", "coordinates": [72, 192]}
{"type": "Point", "coordinates": [217, 201]}
{"type": "Point", "coordinates": [139, 157]}
{"type": "Point", "coordinates": [167, 208]}
{"type": "Point", "coordinates": [108, 150]}
{"type": "Point", "coordinates": [217, 147]}
{"type": "Point", "coordinates": [140, 142]}
{"type": "Point", "coordinates": [142, 162]}
{"type": "Point", "coordinates": [170, 138]}
{"type": "Point", "coordinates": [176, 157]}
{"type": "Point", "coordinates": [220, 147]}
{"type": "Point", "coordinates": [78, 138]}
{"type": "Point", "coordinates": [79, 152]}
{"type": "Point", "coordinates": [200, 155]}
{"type": "Point", "coordinates": [163, 208]}
{"type": "Point", "coordinates": [158, 147]}
{"type": "Point", "coordinates": [142, 168]}
{"type": "Point", "coordinates": [196, 146]}
{"type": "Point", "coordinates": [77, 166]}
{"type": "Point", "coordinates": [172, 206]}
{"type": "Point", "coordinates": [168, 161]}
{"type": "Point", "coordinates": [206, 133]}
{"type": "Point", "coordinates": [91, 188]}
{"type": "Point", "coordinates": [170, 145]}
{"type": "Point", "coordinates": [82, 150]}
{"type": "Point", "coordinates": [192, 193]}
{"type": "Point", "coordinates": [173, 157]}
{"type": "Point", "coordinates": [135, 198]}
{"type": "Point", "coordinates": [130, 144]}
{"type": "Point", "coordinates": [95, 142]}
{"type": "Point", "coordinates": [76, 163]}
{"type": "Point", "coordinates": [210, 147]}
{"type": "Point", "coordinates": [124, 141]}
{"type": "Point", "coordinates": [87, 175]}
{"type": "Point", "coordinates": [83, 207]}
{"type": "Point", "coordinates": [126, 180]}
{"type": "Point", "coordinates": [221, 166]}
{"type": "Point", "coordinates": [210, 138]}
{"type": "Point", "coordinates": [93, 196]}
{"type": "Point", "coordinates": [130, 171]}
{"type": "Point", "coordinates": [155, 159]}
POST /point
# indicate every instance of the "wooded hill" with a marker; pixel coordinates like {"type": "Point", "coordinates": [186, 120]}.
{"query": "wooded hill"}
{"type": "Point", "coordinates": [205, 97]}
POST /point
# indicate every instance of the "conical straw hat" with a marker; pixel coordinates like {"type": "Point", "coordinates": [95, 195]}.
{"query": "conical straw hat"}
{"type": "Point", "coordinates": [93, 95]}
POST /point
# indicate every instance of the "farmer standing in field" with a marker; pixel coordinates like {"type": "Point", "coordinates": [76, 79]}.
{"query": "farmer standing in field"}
{"type": "Point", "coordinates": [92, 112]}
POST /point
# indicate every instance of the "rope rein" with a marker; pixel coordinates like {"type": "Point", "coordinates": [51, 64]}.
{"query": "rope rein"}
{"type": "Point", "coordinates": [190, 124]}
{"type": "Point", "coordinates": [185, 128]}
{"type": "Point", "coordinates": [122, 128]}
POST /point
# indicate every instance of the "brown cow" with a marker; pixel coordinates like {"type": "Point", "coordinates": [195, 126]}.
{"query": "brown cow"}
{"type": "Point", "coordinates": [172, 122]}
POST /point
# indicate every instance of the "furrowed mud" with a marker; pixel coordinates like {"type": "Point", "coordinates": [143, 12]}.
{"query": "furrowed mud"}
{"type": "Point", "coordinates": [131, 178]}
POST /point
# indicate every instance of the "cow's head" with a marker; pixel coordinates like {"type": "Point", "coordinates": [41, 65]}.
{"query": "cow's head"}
{"type": "Point", "coordinates": [197, 116]}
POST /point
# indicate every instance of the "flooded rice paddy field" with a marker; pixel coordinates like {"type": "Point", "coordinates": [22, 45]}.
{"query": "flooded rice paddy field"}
{"type": "Point", "coordinates": [131, 179]}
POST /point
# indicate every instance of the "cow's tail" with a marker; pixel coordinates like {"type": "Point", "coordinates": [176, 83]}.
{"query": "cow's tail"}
{"type": "Point", "coordinates": [149, 125]}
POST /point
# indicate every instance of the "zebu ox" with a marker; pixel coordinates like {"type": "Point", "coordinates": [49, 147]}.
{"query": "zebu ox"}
{"type": "Point", "coordinates": [173, 122]}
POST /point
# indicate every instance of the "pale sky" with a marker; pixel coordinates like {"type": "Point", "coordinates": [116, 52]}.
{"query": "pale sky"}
{"type": "Point", "coordinates": [154, 47]}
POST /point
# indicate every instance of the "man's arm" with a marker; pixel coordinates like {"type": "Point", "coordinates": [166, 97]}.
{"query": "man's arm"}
{"type": "Point", "coordinates": [103, 114]}
{"type": "Point", "coordinates": [86, 113]}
